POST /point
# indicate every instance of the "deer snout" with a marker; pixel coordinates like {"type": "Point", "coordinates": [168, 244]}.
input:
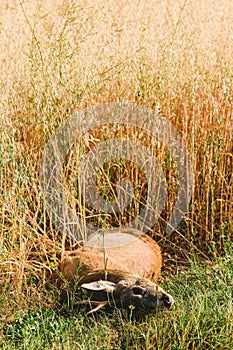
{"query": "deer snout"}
{"type": "Point", "coordinates": [166, 300]}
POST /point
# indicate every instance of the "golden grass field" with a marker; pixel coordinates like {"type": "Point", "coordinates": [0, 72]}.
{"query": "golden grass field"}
{"type": "Point", "coordinates": [58, 57]}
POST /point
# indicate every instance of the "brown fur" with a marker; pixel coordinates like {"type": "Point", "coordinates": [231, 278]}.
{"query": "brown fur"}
{"type": "Point", "coordinates": [142, 257]}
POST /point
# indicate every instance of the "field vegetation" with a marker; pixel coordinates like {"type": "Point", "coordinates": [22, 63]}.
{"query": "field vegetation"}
{"type": "Point", "coordinates": [61, 56]}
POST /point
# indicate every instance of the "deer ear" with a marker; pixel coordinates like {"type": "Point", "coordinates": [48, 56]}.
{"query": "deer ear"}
{"type": "Point", "coordinates": [96, 286]}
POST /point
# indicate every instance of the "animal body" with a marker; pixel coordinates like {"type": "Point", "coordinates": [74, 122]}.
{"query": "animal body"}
{"type": "Point", "coordinates": [120, 275]}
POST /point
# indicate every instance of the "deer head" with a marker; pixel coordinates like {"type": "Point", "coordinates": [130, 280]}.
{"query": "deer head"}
{"type": "Point", "coordinates": [126, 291]}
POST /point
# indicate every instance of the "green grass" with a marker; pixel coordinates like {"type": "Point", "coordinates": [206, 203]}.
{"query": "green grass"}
{"type": "Point", "coordinates": [200, 319]}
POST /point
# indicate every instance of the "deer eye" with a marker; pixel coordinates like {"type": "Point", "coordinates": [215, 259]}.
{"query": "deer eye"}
{"type": "Point", "coordinates": [137, 291]}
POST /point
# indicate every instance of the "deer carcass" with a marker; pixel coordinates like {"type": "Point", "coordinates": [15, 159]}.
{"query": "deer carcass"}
{"type": "Point", "coordinates": [119, 270]}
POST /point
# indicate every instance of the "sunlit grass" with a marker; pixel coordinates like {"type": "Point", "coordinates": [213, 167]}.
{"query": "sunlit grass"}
{"type": "Point", "coordinates": [200, 319]}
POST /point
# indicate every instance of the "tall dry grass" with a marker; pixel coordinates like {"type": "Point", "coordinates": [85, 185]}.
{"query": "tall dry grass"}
{"type": "Point", "coordinates": [57, 57]}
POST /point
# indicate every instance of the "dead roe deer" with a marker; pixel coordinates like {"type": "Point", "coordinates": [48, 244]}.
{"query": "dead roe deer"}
{"type": "Point", "coordinates": [120, 275]}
